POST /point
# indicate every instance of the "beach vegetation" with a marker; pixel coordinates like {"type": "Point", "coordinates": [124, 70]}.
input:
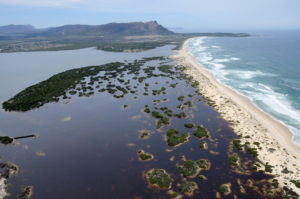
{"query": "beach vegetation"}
{"type": "Point", "coordinates": [256, 143]}
{"type": "Point", "coordinates": [195, 84]}
{"type": "Point", "coordinates": [275, 183]}
{"type": "Point", "coordinates": [285, 171]}
{"type": "Point", "coordinates": [268, 167]}
{"type": "Point", "coordinates": [252, 151]}
{"type": "Point", "coordinates": [296, 183]}
{"type": "Point", "coordinates": [237, 144]}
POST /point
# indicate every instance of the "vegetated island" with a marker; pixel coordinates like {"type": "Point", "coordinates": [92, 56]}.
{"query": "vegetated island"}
{"type": "Point", "coordinates": [159, 178]}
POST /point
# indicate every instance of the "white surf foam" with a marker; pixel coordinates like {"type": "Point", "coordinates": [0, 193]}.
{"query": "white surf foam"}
{"type": "Point", "coordinates": [247, 74]}
{"type": "Point", "coordinates": [276, 104]}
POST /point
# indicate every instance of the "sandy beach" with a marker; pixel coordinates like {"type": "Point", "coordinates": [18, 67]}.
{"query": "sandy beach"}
{"type": "Point", "coordinates": [248, 121]}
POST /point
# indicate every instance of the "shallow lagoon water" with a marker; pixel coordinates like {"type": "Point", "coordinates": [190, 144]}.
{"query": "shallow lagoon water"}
{"type": "Point", "coordinates": [87, 147]}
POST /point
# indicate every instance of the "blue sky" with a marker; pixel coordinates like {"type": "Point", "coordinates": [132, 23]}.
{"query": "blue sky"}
{"type": "Point", "coordinates": [216, 15]}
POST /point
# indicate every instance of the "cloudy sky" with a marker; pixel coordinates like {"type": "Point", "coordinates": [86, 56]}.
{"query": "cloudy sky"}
{"type": "Point", "coordinates": [214, 15]}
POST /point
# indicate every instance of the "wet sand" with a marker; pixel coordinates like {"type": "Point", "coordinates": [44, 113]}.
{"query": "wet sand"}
{"type": "Point", "coordinates": [254, 125]}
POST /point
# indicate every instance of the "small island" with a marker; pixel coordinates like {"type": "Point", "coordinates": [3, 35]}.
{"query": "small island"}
{"type": "Point", "coordinates": [175, 140]}
{"type": "Point", "coordinates": [159, 178]}
{"type": "Point", "coordinates": [143, 156]}
{"type": "Point", "coordinates": [6, 140]}
{"type": "Point", "coordinates": [188, 188]}
{"type": "Point", "coordinates": [191, 168]}
{"type": "Point", "coordinates": [201, 132]}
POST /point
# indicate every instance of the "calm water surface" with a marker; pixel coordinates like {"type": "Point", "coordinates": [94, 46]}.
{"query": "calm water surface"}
{"type": "Point", "coordinates": [87, 147]}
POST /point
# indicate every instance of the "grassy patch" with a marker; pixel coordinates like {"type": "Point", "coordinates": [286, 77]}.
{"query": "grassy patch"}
{"type": "Point", "coordinates": [224, 188]}
{"type": "Point", "coordinates": [156, 114]}
{"type": "Point", "coordinates": [173, 139]}
{"type": "Point", "coordinates": [268, 168]}
{"type": "Point", "coordinates": [144, 134]}
{"type": "Point", "coordinates": [162, 121]}
{"type": "Point", "coordinates": [189, 125]}
{"type": "Point", "coordinates": [147, 110]}
{"type": "Point", "coordinates": [252, 151]}
{"type": "Point", "coordinates": [202, 144]}
{"type": "Point", "coordinates": [181, 98]}
{"type": "Point", "coordinates": [201, 132]}
{"type": "Point", "coordinates": [237, 144]}
{"type": "Point", "coordinates": [203, 163]}
{"type": "Point", "coordinates": [233, 160]}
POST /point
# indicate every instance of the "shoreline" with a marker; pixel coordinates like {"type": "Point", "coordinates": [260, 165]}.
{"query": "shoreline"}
{"type": "Point", "coordinates": [247, 119]}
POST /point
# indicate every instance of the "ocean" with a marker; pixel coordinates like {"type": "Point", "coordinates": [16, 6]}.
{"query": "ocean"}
{"type": "Point", "coordinates": [264, 67]}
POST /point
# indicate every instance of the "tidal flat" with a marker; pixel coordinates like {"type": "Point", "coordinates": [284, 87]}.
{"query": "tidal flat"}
{"type": "Point", "coordinates": [94, 152]}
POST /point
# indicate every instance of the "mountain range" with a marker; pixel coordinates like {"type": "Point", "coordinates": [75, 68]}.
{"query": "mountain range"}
{"type": "Point", "coordinates": [111, 36]}
{"type": "Point", "coordinates": [106, 30]}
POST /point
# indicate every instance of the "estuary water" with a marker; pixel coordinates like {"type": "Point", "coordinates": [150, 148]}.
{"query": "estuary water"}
{"type": "Point", "coordinates": [87, 147]}
{"type": "Point", "coordinates": [265, 68]}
